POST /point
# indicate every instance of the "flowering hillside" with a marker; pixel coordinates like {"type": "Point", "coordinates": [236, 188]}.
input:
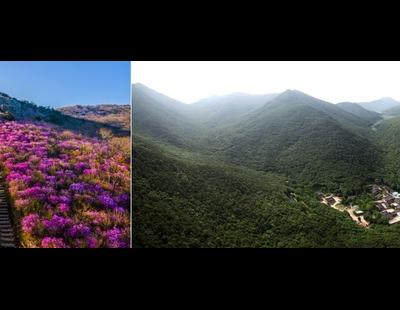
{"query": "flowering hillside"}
{"type": "Point", "coordinates": [66, 190]}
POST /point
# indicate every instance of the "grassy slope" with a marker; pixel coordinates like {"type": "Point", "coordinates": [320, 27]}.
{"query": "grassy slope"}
{"type": "Point", "coordinates": [111, 114]}
{"type": "Point", "coordinates": [15, 109]}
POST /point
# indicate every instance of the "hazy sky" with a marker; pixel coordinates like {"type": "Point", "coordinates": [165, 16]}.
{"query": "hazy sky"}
{"type": "Point", "coordinates": [60, 83]}
{"type": "Point", "coordinates": [333, 81]}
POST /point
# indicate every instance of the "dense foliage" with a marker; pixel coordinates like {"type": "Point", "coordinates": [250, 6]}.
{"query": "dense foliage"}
{"type": "Point", "coordinates": [251, 180]}
{"type": "Point", "coordinates": [180, 202]}
{"type": "Point", "coordinates": [66, 190]}
{"type": "Point", "coordinates": [387, 137]}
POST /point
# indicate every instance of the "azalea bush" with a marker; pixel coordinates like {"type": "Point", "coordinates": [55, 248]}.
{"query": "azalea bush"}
{"type": "Point", "coordinates": [66, 190]}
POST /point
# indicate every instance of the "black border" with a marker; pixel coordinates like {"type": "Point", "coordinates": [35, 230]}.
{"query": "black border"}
{"type": "Point", "coordinates": [185, 270]}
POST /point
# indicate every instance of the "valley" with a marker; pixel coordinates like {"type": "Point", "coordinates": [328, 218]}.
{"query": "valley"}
{"type": "Point", "coordinates": [250, 177]}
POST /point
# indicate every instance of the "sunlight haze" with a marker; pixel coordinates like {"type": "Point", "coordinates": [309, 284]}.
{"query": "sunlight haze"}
{"type": "Point", "coordinates": [333, 81]}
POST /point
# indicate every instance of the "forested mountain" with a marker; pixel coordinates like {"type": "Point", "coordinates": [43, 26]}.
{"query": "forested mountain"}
{"type": "Point", "coordinates": [370, 116]}
{"type": "Point", "coordinates": [250, 179]}
{"type": "Point", "coordinates": [301, 136]}
{"type": "Point", "coordinates": [161, 117]}
{"type": "Point", "coordinates": [380, 105]}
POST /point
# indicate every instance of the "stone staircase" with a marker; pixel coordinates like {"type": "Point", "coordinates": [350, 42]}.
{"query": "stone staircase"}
{"type": "Point", "coordinates": [7, 236]}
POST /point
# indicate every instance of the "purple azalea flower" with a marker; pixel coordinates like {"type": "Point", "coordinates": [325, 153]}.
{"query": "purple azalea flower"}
{"type": "Point", "coordinates": [107, 201]}
{"type": "Point", "coordinates": [50, 242]}
{"type": "Point", "coordinates": [78, 230]}
{"type": "Point", "coordinates": [77, 187]}
{"type": "Point", "coordinates": [29, 222]}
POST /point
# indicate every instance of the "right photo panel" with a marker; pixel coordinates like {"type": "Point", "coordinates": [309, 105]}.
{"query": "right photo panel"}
{"type": "Point", "coordinates": [265, 154]}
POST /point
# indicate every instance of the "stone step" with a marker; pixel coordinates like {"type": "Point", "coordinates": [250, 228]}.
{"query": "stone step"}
{"type": "Point", "coordinates": [8, 245]}
{"type": "Point", "coordinates": [6, 231]}
{"type": "Point", "coordinates": [7, 234]}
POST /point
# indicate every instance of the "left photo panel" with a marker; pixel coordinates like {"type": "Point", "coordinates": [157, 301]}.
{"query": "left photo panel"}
{"type": "Point", "coordinates": [65, 154]}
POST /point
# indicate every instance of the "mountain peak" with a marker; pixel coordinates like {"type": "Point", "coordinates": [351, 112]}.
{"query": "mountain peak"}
{"type": "Point", "coordinates": [294, 92]}
{"type": "Point", "coordinates": [387, 99]}
{"type": "Point", "coordinates": [380, 105]}
{"type": "Point", "coordinates": [291, 94]}
{"type": "Point", "coordinates": [4, 95]}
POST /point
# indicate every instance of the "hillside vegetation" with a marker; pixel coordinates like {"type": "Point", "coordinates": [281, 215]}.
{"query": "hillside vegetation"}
{"type": "Point", "coordinates": [251, 179]}
{"type": "Point", "coordinates": [112, 114]}
{"type": "Point", "coordinates": [370, 116]}
{"type": "Point", "coordinates": [15, 109]}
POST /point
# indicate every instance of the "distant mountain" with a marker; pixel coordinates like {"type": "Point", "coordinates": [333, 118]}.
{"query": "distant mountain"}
{"type": "Point", "coordinates": [380, 105]}
{"type": "Point", "coordinates": [161, 117]}
{"type": "Point", "coordinates": [167, 118]}
{"type": "Point", "coordinates": [111, 114]}
{"type": "Point", "coordinates": [15, 109]}
{"type": "Point", "coordinates": [370, 116]}
{"type": "Point", "coordinates": [304, 137]}
{"type": "Point", "coordinates": [295, 97]}
{"type": "Point", "coordinates": [394, 111]}
{"type": "Point", "coordinates": [291, 133]}
{"type": "Point", "coordinates": [218, 111]}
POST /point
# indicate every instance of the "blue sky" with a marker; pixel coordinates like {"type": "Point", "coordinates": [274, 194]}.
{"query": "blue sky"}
{"type": "Point", "coordinates": [62, 83]}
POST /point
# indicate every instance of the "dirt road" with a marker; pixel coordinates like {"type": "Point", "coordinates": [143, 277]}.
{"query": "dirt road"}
{"type": "Point", "coordinates": [360, 220]}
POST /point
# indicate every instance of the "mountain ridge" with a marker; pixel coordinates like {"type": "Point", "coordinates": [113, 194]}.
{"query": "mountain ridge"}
{"type": "Point", "coordinates": [22, 110]}
{"type": "Point", "coordinates": [356, 109]}
{"type": "Point", "coordinates": [380, 105]}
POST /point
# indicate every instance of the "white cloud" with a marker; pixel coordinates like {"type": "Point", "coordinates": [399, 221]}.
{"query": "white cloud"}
{"type": "Point", "coordinates": [333, 81]}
